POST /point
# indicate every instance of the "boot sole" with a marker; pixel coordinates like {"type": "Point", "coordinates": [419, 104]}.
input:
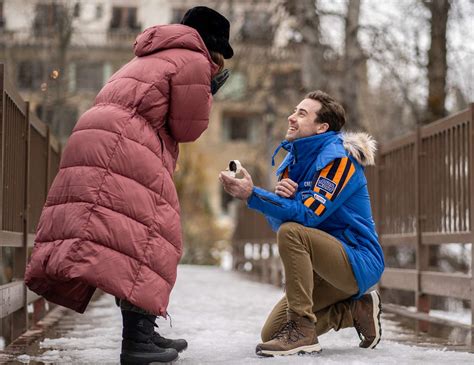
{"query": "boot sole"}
{"type": "Point", "coordinates": [377, 310]}
{"type": "Point", "coordinates": [310, 349]}
{"type": "Point", "coordinates": [138, 359]}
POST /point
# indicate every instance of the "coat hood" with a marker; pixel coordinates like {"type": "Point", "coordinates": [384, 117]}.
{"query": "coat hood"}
{"type": "Point", "coordinates": [361, 146]}
{"type": "Point", "coordinates": [161, 37]}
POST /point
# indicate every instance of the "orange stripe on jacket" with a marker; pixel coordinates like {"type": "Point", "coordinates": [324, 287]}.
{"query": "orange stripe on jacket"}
{"type": "Point", "coordinates": [349, 175]}
{"type": "Point", "coordinates": [323, 173]}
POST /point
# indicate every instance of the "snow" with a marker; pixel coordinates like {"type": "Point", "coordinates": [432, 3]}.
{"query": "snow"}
{"type": "Point", "coordinates": [220, 314]}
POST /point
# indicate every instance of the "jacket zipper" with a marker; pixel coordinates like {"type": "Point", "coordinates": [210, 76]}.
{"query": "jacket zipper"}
{"type": "Point", "coordinates": [268, 200]}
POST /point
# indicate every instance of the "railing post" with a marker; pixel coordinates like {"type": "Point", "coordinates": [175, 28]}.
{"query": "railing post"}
{"type": "Point", "coordinates": [377, 201]}
{"type": "Point", "coordinates": [422, 300]}
{"type": "Point", "coordinates": [20, 317]}
{"type": "Point", "coordinates": [4, 322]}
{"type": "Point", "coordinates": [2, 138]}
{"type": "Point", "coordinates": [471, 212]}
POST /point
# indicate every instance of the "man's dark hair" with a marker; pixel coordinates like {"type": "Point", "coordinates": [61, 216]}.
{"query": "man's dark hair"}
{"type": "Point", "coordinates": [331, 111]}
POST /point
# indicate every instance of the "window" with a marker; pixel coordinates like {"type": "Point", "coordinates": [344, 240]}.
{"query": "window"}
{"type": "Point", "coordinates": [238, 128]}
{"type": "Point", "coordinates": [287, 80]}
{"type": "Point", "coordinates": [256, 27]}
{"type": "Point", "coordinates": [2, 19]}
{"type": "Point", "coordinates": [62, 117]}
{"type": "Point", "coordinates": [30, 74]}
{"type": "Point", "coordinates": [77, 10]}
{"type": "Point", "coordinates": [89, 76]}
{"type": "Point", "coordinates": [124, 18]}
{"type": "Point", "coordinates": [46, 17]}
{"type": "Point", "coordinates": [99, 11]}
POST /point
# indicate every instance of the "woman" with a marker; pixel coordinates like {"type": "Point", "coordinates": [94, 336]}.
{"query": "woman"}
{"type": "Point", "coordinates": [111, 219]}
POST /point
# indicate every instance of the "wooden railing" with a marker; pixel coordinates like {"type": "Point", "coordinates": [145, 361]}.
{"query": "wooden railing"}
{"type": "Point", "coordinates": [422, 193]}
{"type": "Point", "coordinates": [29, 161]}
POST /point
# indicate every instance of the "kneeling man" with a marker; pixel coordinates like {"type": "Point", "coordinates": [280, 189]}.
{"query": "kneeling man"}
{"type": "Point", "coordinates": [326, 234]}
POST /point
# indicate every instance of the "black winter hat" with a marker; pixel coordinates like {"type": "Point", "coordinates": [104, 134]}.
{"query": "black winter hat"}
{"type": "Point", "coordinates": [212, 27]}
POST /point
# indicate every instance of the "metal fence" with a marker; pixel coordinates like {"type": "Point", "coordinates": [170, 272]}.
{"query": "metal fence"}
{"type": "Point", "coordinates": [29, 161]}
{"type": "Point", "coordinates": [422, 192]}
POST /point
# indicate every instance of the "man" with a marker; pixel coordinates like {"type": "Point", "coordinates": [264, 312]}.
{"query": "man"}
{"type": "Point", "coordinates": [326, 234]}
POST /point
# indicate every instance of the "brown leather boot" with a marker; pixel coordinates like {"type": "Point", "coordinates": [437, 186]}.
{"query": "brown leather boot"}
{"type": "Point", "coordinates": [366, 315]}
{"type": "Point", "coordinates": [298, 335]}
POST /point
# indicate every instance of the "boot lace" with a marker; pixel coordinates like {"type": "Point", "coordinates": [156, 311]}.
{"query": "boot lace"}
{"type": "Point", "coordinates": [289, 332]}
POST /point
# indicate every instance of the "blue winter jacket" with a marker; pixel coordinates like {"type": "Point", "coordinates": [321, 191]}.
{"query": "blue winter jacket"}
{"type": "Point", "coordinates": [332, 196]}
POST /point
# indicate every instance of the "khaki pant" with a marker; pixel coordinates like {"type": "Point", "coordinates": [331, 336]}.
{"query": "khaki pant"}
{"type": "Point", "coordinates": [319, 280]}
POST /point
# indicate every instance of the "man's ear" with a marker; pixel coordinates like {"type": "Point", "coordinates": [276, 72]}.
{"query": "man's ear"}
{"type": "Point", "coordinates": [323, 128]}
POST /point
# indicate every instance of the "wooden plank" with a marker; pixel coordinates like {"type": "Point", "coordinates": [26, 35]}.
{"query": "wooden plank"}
{"type": "Point", "coordinates": [2, 142]}
{"type": "Point", "coordinates": [11, 295]}
{"type": "Point", "coordinates": [403, 311]}
{"type": "Point", "coordinates": [397, 143]}
{"type": "Point", "coordinates": [471, 211]}
{"type": "Point", "coordinates": [427, 238]}
{"type": "Point", "coordinates": [408, 239]}
{"type": "Point", "coordinates": [434, 238]}
{"type": "Point", "coordinates": [54, 143]}
{"type": "Point", "coordinates": [38, 125]}
{"type": "Point", "coordinates": [445, 123]}
{"type": "Point", "coordinates": [15, 96]}
{"type": "Point", "coordinates": [403, 279]}
{"type": "Point", "coordinates": [31, 296]}
{"type": "Point", "coordinates": [11, 239]}
{"type": "Point", "coordinates": [446, 284]}
{"type": "Point", "coordinates": [31, 239]}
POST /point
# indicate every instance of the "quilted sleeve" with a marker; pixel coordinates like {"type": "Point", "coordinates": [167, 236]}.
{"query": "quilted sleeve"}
{"type": "Point", "coordinates": [190, 100]}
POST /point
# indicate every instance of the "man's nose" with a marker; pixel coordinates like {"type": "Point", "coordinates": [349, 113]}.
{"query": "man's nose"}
{"type": "Point", "coordinates": [291, 118]}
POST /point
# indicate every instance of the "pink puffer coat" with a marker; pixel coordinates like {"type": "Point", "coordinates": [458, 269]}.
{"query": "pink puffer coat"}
{"type": "Point", "coordinates": [111, 219]}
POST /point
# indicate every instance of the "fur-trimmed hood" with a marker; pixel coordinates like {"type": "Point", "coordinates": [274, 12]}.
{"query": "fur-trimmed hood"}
{"type": "Point", "coordinates": [361, 146]}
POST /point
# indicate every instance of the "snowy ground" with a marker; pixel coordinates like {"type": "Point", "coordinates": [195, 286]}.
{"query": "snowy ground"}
{"type": "Point", "coordinates": [220, 314]}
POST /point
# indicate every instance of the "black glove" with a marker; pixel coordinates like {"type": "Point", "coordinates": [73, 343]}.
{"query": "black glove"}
{"type": "Point", "coordinates": [219, 80]}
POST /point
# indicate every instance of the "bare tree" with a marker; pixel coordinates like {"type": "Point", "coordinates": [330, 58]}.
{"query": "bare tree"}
{"type": "Point", "coordinates": [437, 63]}
{"type": "Point", "coordinates": [353, 65]}
{"type": "Point", "coordinates": [308, 25]}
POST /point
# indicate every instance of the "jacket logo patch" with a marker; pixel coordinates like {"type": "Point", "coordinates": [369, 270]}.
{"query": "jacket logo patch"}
{"type": "Point", "coordinates": [326, 184]}
{"type": "Point", "coordinates": [319, 198]}
{"type": "Point", "coordinates": [307, 184]}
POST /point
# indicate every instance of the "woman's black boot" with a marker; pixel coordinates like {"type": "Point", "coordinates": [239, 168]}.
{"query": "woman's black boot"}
{"type": "Point", "coordinates": [138, 347]}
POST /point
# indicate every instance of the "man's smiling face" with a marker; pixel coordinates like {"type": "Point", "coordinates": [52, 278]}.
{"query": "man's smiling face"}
{"type": "Point", "coordinates": [302, 122]}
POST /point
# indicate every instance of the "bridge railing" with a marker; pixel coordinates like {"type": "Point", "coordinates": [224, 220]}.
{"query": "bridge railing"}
{"type": "Point", "coordinates": [422, 192]}
{"type": "Point", "coordinates": [29, 160]}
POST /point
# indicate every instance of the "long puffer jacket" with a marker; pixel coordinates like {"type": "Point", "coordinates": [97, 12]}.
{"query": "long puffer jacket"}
{"type": "Point", "coordinates": [111, 219]}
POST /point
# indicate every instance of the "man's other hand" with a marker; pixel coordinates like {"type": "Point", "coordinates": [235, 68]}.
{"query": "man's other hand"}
{"type": "Point", "coordinates": [286, 188]}
{"type": "Point", "coordinates": [238, 188]}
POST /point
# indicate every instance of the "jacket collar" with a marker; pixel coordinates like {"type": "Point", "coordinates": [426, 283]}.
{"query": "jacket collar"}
{"type": "Point", "coordinates": [326, 146]}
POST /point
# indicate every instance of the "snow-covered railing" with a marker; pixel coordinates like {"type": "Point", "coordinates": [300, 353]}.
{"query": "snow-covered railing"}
{"type": "Point", "coordinates": [29, 161]}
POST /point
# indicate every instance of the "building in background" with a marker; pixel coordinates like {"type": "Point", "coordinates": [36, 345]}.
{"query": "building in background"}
{"type": "Point", "coordinates": [249, 113]}
{"type": "Point", "coordinates": [60, 53]}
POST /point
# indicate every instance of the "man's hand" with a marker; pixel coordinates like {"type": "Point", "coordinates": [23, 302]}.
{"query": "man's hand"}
{"type": "Point", "coordinates": [286, 188]}
{"type": "Point", "coordinates": [238, 188]}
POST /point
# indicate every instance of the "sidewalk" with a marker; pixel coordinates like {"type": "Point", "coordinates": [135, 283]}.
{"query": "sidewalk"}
{"type": "Point", "coordinates": [220, 314]}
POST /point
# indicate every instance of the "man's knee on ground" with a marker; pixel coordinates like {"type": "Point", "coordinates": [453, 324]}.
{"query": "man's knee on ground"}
{"type": "Point", "coordinates": [287, 229]}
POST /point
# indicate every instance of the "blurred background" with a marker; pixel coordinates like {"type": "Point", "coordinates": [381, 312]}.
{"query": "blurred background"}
{"type": "Point", "coordinates": [394, 65]}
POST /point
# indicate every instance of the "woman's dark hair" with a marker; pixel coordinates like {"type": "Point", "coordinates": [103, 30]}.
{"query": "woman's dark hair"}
{"type": "Point", "coordinates": [331, 111]}
{"type": "Point", "coordinates": [218, 59]}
